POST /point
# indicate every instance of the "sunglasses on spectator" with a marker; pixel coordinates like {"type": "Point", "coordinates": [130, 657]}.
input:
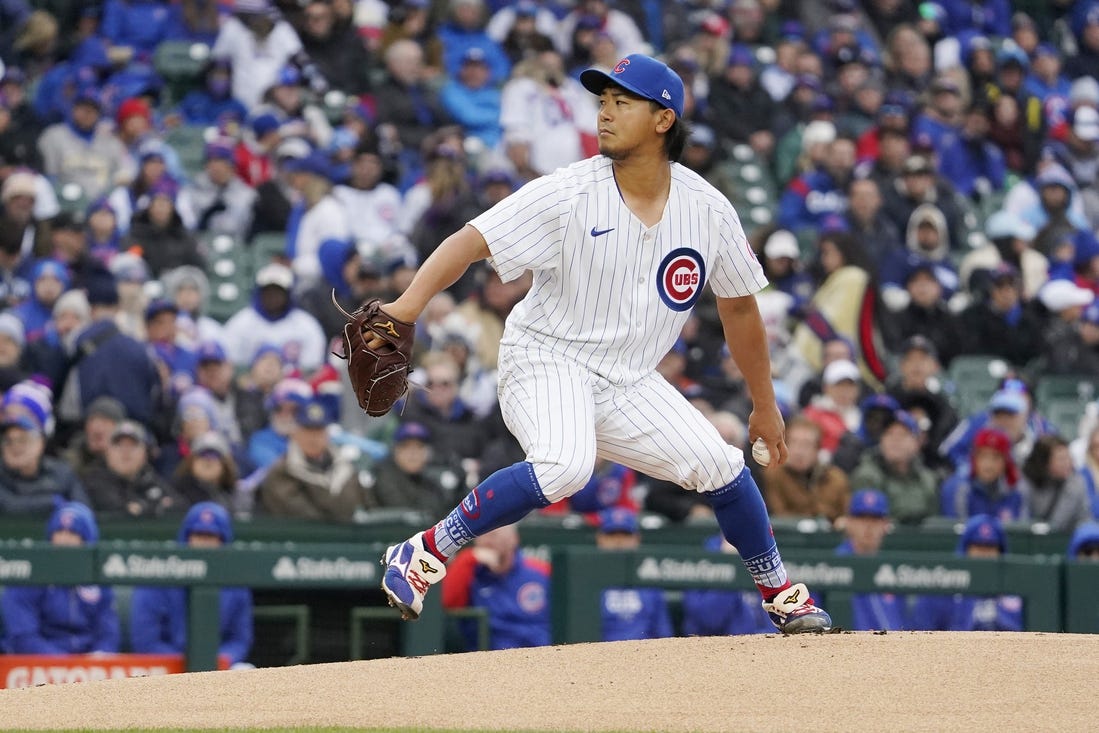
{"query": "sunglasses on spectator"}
{"type": "Point", "coordinates": [441, 383]}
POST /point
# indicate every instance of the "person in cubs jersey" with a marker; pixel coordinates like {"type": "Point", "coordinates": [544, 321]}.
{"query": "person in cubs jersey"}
{"type": "Point", "coordinates": [621, 246]}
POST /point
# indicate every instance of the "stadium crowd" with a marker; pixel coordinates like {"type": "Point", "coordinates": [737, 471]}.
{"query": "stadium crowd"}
{"type": "Point", "coordinates": [184, 184]}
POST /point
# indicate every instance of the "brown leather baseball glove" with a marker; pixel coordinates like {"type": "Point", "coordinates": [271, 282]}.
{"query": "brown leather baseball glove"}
{"type": "Point", "coordinates": [378, 375]}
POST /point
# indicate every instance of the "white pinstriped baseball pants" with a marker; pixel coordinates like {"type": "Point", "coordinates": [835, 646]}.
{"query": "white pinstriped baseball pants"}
{"type": "Point", "coordinates": [564, 416]}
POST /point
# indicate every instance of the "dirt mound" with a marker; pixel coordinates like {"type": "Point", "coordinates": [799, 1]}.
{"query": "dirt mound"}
{"type": "Point", "coordinates": [837, 682]}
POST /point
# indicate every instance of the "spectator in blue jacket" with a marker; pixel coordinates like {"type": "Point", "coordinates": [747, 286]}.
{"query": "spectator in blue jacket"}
{"type": "Point", "coordinates": [269, 443]}
{"type": "Point", "coordinates": [991, 484]}
{"type": "Point", "coordinates": [984, 538]}
{"type": "Point", "coordinates": [139, 25]}
{"type": "Point", "coordinates": [472, 100]}
{"type": "Point", "coordinates": [111, 363]}
{"type": "Point", "coordinates": [629, 613]}
{"type": "Point", "coordinates": [813, 196]}
{"type": "Point", "coordinates": [465, 30]}
{"type": "Point", "coordinates": [972, 164]}
{"type": "Point", "coordinates": [50, 280]}
{"type": "Point", "coordinates": [716, 612]}
{"type": "Point", "coordinates": [512, 588]}
{"type": "Point", "coordinates": [62, 619]}
{"type": "Point", "coordinates": [158, 616]}
{"type": "Point", "coordinates": [213, 103]}
{"type": "Point", "coordinates": [866, 525]}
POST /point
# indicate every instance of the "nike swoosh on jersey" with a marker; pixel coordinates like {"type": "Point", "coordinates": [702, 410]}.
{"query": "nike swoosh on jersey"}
{"type": "Point", "coordinates": [600, 232]}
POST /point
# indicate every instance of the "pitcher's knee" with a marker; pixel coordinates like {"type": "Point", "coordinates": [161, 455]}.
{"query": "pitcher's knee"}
{"type": "Point", "coordinates": [561, 480]}
{"type": "Point", "coordinates": [713, 474]}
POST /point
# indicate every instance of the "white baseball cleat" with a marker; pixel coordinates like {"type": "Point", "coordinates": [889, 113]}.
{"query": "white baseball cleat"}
{"type": "Point", "coordinates": [792, 612]}
{"type": "Point", "coordinates": [410, 571]}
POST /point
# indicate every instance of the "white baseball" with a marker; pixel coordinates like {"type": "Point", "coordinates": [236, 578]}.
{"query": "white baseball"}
{"type": "Point", "coordinates": [761, 453]}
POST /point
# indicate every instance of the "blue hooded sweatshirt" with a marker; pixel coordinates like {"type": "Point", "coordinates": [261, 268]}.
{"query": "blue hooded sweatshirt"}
{"type": "Point", "coordinates": [159, 615]}
{"type": "Point", "coordinates": [971, 613]}
{"type": "Point", "coordinates": [61, 619]}
{"type": "Point", "coordinates": [714, 612]}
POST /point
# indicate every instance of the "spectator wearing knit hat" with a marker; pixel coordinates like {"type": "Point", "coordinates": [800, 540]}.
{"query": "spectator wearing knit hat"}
{"type": "Point", "coordinates": [991, 485]}
{"type": "Point", "coordinates": [189, 288]}
{"type": "Point", "coordinates": [19, 196]}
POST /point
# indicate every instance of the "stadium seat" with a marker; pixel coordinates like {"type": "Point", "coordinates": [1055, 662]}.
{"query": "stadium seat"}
{"type": "Point", "coordinates": [1079, 388]}
{"type": "Point", "coordinates": [71, 197]}
{"type": "Point", "coordinates": [230, 272]}
{"type": "Point", "coordinates": [180, 64]}
{"type": "Point", "coordinates": [1065, 414]}
{"type": "Point", "coordinates": [267, 246]}
{"type": "Point", "coordinates": [976, 377]}
{"type": "Point", "coordinates": [189, 142]}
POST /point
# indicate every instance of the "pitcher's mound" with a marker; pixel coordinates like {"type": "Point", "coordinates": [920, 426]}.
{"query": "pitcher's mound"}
{"type": "Point", "coordinates": [836, 682]}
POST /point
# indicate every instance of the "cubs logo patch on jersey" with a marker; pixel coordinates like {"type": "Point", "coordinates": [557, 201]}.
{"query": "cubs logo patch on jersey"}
{"type": "Point", "coordinates": [531, 597]}
{"type": "Point", "coordinates": [680, 277]}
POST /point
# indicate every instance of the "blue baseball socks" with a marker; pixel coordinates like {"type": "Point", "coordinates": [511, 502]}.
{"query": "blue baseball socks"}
{"type": "Point", "coordinates": [503, 498]}
{"type": "Point", "coordinates": [743, 519]}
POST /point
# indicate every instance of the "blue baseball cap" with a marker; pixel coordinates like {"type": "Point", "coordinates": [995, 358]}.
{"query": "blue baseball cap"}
{"type": "Point", "coordinates": [158, 306]}
{"type": "Point", "coordinates": [618, 520]}
{"type": "Point", "coordinates": [412, 431]}
{"type": "Point", "coordinates": [869, 503]}
{"type": "Point", "coordinates": [312, 414]}
{"type": "Point", "coordinates": [983, 529]}
{"type": "Point", "coordinates": [642, 75]}
{"type": "Point", "coordinates": [210, 351]}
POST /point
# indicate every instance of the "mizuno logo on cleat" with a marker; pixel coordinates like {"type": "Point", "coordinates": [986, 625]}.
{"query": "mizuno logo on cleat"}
{"type": "Point", "coordinates": [426, 567]}
{"type": "Point", "coordinates": [793, 597]}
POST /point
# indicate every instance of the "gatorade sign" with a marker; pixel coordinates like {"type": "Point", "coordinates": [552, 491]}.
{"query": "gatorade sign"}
{"type": "Point", "coordinates": [31, 670]}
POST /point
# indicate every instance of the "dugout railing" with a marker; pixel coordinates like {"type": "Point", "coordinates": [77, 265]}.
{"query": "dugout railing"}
{"type": "Point", "coordinates": [580, 574]}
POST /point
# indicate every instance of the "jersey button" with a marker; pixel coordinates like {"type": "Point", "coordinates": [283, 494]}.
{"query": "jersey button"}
{"type": "Point", "coordinates": [641, 281]}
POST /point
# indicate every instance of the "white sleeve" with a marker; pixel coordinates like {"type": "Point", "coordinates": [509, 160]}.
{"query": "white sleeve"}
{"type": "Point", "coordinates": [525, 230]}
{"type": "Point", "coordinates": [737, 271]}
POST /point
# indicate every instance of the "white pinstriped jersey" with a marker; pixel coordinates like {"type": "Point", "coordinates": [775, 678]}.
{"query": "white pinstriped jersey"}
{"type": "Point", "coordinates": [609, 292]}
